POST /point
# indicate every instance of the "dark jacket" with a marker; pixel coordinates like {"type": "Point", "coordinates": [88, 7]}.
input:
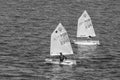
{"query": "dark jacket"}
{"type": "Point", "coordinates": [62, 57]}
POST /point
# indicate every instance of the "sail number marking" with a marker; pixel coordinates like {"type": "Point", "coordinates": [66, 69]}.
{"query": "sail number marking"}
{"type": "Point", "coordinates": [88, 23]}
{"type": "Point", "coordinates": [64, 38]}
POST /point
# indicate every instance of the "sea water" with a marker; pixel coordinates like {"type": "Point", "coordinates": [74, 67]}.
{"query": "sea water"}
{"type": "Point", "coordinates": [25, 29]}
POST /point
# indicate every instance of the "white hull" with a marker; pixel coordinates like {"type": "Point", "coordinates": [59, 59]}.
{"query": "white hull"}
{"type": "Point", "coordinates": [65, 62]}
{"type": "Point", "coordinates": [87, 42]}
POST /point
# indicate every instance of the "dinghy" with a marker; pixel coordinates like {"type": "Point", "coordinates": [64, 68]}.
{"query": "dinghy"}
{"type": "Point", "coordinates": [60, 43]}
{"type": "Point", "coordinates": [85, 30]}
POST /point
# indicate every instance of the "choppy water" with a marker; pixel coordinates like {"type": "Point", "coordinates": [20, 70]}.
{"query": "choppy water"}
{"type": "Point", "coordinates": [25, 28]}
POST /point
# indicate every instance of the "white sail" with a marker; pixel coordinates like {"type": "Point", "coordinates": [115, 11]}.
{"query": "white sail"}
{"type": "Point", "coordinates": [85, 27]}
{"type": "Point", "coordinates": [60, 42]}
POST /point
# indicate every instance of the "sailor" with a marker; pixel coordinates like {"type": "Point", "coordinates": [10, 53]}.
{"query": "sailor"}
{"type": "Point", "coordinates": [90, 36]}
{"type": "Point", "coordinates": [62, 57]}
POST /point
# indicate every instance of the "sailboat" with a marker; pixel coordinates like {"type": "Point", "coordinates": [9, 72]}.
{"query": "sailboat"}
{"type": "Point", "coordinates": [85, 31]}
{"type": "Point", "coordinates": [60, 43]}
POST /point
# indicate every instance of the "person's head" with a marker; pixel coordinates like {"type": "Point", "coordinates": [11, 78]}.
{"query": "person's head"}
{"type": "Point", "coordinates": [89, 36]}
{"type": "Point", "coordinates": [60, 53]}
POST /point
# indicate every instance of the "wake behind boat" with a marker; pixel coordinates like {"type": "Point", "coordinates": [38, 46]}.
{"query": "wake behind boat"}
{"type": "Point", "coordinates": [85, 30]}
{"type": "Point", "coordinates": [60, 43]}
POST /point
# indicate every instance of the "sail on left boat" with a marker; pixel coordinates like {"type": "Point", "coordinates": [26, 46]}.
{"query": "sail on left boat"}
{"type": "Point", "coordinates": [60, 43]}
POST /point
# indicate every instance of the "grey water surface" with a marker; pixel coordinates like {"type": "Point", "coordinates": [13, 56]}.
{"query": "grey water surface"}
{"type": "Point", "coordinates": [25, 29]}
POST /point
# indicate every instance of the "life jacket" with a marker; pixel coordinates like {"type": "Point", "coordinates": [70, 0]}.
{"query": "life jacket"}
{"type": "Point", "coordinates": [62, 57]}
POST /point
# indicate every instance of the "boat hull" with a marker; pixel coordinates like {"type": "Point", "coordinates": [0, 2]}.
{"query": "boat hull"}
{"type": "Point", "coordinates": [56, 61]}
{"type": "Point", "coordinates": [87, 42]}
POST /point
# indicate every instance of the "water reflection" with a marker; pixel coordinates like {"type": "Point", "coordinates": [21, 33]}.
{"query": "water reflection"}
{"type": "Point", "coordinates": [69, 73]}
{"type": "Point", "coordinates": [85, 51]}
{"type": "Point", "coordinates": [62, 72]}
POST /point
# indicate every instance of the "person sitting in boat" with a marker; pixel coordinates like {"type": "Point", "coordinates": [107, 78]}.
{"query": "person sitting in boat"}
{"type": "Point", "coordinates": [90, 36]}
{"type": "Point", "coordinates": [62, 57]}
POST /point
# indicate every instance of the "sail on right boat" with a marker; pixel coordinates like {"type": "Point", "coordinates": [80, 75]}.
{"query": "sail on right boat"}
{"type": "Point", "coordinates": [85, 31]}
